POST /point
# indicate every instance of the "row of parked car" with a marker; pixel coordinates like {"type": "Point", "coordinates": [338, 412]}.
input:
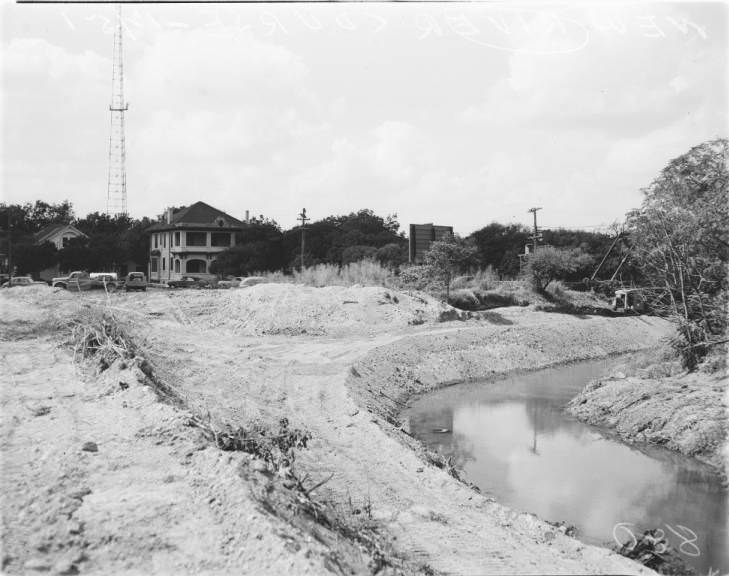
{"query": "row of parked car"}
{"type": "Point", "coordinates": [82, 281]}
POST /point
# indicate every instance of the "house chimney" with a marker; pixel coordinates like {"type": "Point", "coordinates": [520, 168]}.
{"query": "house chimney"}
{"type": "Point", "coordinates": [170, 213]}
{"type": "Point", "coordinates": [247, 217]}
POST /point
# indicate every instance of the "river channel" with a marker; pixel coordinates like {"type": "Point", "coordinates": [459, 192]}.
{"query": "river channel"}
{"type": "Point", "coordinates": [513, 440]}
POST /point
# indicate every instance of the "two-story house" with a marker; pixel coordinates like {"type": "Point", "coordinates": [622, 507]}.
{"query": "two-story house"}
{"type": "Point", "coordinates": [188, 241]}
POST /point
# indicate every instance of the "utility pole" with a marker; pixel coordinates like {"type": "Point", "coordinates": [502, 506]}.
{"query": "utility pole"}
{"type": "Point", "coordinates": [302, 217]}
{"type": "Point", "coordinates": [10, 252]}
{"type": "Point", "coordinates": [536, 231]}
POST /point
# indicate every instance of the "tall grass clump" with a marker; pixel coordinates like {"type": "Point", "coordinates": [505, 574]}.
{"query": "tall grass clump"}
{"type": "Point", "coordinates": [364, 273]}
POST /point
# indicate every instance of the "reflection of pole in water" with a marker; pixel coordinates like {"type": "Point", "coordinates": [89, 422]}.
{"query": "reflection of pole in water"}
{"type": "Point", "coordinates": [534, 429]}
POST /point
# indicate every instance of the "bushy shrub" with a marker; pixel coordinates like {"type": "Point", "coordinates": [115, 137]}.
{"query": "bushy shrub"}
{"type": "Point", "coordinates": [464, 299]}
{"type": "Point", "coordinates": [548, 264]}
{"type": "Point", "coordinates": [557, 289]}
{"type": "Point", "coordinates": [418, 277]}
{"type": "Point", "coordinates": [357, 253]}
{"type": "Point", "coordinates": [393, 255]}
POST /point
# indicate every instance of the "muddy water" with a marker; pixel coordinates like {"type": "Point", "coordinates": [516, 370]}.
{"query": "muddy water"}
{"type": "Point", "coordinates": [514, 441]}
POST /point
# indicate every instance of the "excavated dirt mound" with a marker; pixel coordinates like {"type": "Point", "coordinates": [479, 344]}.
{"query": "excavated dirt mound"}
{"type": "Point", "coordinates": [290, 309]}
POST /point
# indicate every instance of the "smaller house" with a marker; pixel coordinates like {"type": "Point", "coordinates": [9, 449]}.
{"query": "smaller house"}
{"type": "Point", "coordinates": [188, 241]}
{"type": "Point", "coordinates": [59, 235]}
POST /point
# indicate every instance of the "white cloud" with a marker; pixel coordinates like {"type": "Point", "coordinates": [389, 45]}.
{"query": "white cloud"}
{"type": "Point", "coordinates": [438, 129]}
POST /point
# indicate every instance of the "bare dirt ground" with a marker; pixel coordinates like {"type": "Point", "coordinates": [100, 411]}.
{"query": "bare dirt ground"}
{"type": "Point", "coordinates": [152, 495]}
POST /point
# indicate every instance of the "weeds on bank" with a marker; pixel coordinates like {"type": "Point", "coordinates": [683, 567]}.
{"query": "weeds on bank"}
{"type": "Point", "coordinates": [443, 462]}
{"type": "Point", "coordinates": [655, 553]}
{"type": "Point", "coordinates": [99, 335]}
{"type": "Point", "coordinates": [276, 449]}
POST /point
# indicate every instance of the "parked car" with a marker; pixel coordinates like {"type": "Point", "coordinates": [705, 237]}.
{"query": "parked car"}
{"type": "Point", "coordinates": [62, 281]}
{"type": "Point", "coordinates": [80, 280]}
{"type": "Point", "coordinates": [251, 281]}
{"type": "Point", "coordinates": [135, 281]}
{"type": "Point", "coordinates": [21, 281]}
{"type": "Point", "coordinates": [231, 282]}
{"type": "Point", "coordinates": [189, 282]}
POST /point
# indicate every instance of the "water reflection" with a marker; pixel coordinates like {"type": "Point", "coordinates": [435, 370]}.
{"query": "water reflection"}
{"type": "Point", "coordinates": [513, 440]}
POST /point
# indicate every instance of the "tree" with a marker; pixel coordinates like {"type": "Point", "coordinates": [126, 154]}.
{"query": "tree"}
{"type": "Point", "coordinates": [549, 263]}
{"type": "Point", "coordinates": [356, 253]}
{"type": "Point", "coordinates": [392, 255]}
{"type": "Point", "coordinates": [259, 248]}
{"type": "Point", "coordinates": [498, 245]}
{"type": "Point", "coordinates": [31, 259]}
{"type": "Point", "coordinates": [327, 239]}
{"type": "Point", "coordinates": [681, 239]}
{"type": "Point", "coordinates": [448, 257]}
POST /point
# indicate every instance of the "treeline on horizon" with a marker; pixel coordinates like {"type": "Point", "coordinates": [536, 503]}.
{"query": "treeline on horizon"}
{"type": "Point", "coordinates": [264, 246]}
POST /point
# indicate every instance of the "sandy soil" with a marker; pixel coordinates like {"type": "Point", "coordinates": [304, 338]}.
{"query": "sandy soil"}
{"type": "Point", "coordinates": [687, 413]}
{"type": "Point", "coordinates": [158, 498]}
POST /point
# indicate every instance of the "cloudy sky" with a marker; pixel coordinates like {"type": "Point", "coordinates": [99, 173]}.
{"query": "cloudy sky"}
{"type": "Point", "coordinates": [462, 114]}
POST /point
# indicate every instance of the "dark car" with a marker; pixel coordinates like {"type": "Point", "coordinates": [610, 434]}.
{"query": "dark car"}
{"type": "Point", "coordinates": [135, 281]}
{"type": "Point", "coordinates": [21, 281]}
{"type": "Point", "coordinates": [188, 282]}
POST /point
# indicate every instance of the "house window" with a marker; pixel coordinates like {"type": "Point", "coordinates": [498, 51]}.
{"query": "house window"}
{"type": "Point", "coordinates": [177, 238]}
{"type": "Point", "coordinates": [220, 239]}
{"type": "Point", "coordinates": [153, 264]}
{"type": "Point", "coordinates": [163, 263]}
{"type": "Point", "coordinates": [197, 238]}
{"type": "Point", "coordinates": [164, 240]}
{"type": "Point", "coordinates": [156, 245]}
{"type": "Point", "coordinates": [65, 240]}
{"type": "Point", "coordinates": [196, 266]}
{"type": "Point", "coordinates": [177, 265]}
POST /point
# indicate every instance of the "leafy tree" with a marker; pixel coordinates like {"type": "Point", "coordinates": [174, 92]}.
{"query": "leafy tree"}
{"type": "Point", "coordinates": [448, 257]}
{"type": "Point", "coordinates": [29, 218]}
{"type": "Point", "coordinates": [76, 255]}
{"type": "Point", "coordinates": [31, 259]}
{"type": "Point", "coordinates": [498, 245]}
{"type": "Point", "coordinates": [549, 263]}
{"type": "Point", "coordinates": [356, 253]}
{"type": "Point", "coordinates": [259, 248]}
{"type": "Point", "coordinates": [25, 221]}
{"type": "Point", "coordinates": [681, 238]}
{"type": "Point", "coordinates": [327, 239]}
{"type": "Point", "coordinates": [393, 255]}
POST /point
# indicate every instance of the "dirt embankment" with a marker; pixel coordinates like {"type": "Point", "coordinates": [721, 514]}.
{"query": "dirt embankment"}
{"type": "Point", "coordinates": [155, 497]}
{"type": "Point", "coordinates": [510, 340]}
{"type": "Point", "coordinates": [688, 413]}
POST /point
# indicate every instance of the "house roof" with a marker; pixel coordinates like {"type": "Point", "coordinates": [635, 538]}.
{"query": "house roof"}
{"type": "Point", "coordinates": [48, 232]}
{"type": "Point", "coordinates": [198, 215]}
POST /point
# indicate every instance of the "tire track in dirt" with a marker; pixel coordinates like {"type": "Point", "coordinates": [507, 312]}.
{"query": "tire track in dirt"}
{"type": "Point", "coordinates": [432, 518]}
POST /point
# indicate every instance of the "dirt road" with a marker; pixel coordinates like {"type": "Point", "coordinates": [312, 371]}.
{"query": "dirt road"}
{"type": "Point", "coordinates": [156, 498]}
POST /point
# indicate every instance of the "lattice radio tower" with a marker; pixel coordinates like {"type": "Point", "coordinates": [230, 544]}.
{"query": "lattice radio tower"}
{"type": "Point", "coordinates": [116, 195]}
